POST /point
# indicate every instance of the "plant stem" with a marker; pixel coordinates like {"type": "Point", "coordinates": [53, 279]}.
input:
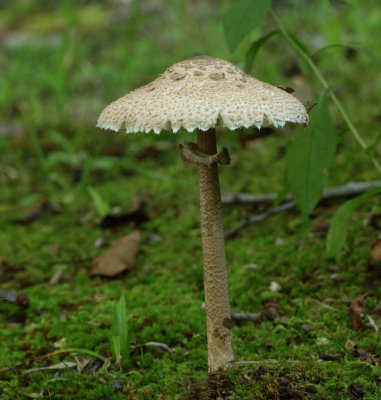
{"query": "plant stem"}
{"type": "Point", "coordinates": [41, 159]}
{"type": "Point", "coordinates": [324, 83]}
{"type": "Point", "coordinates": [219, 334]}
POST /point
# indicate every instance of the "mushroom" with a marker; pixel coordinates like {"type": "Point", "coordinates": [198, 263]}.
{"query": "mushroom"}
{"type": "Point", "coordinates": [199, 94]}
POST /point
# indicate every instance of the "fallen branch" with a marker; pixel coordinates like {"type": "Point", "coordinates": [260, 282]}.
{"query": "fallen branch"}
{"type": "Point", "coordinates": [351, 189]}
{"type": "Point", "coordinates": [267, 362]}
{"type": "Point", "coordinates": [237, 316]}
{"type": "Point", "coordinates": [259, 218]}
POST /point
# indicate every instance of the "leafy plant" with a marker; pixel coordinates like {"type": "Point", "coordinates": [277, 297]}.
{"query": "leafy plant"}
{"type": "Point", "coordinates": [118, 335]}
{"type": "Point", "coordinates": [337, 234]}
{"type": "Point", "coordinates": [103, 208]}
{"type": "Point", "coordinates": [120, 343]}
{"type": "Point", "coordinates": [310, 152]}
{"type": "Point", "coordinates": [241, 18]}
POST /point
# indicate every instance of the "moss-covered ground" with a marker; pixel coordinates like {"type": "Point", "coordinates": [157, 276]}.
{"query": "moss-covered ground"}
{"type": "Point", "coordinates": [61, 62]}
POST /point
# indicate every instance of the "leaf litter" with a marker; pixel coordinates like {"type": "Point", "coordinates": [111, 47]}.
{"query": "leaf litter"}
{"type": "Point", "coordinates": [119, 257]}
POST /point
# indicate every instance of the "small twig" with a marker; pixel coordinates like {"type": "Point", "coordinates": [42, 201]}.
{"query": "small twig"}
{"type": "Point", "coordinates": [159, 345]}
{"type": "Point", "coordinates": [267, 362]}
{"type": "Point", "coordinates": [237, 316]}
{"type": "Point", "coordinates": [259, 218]}
{"type": "Point", "coordinates": [350, 189]}
{"type": "Point", "coordinates": [372, 323]}
{"type": "Point", "coordinates": [324, 305]}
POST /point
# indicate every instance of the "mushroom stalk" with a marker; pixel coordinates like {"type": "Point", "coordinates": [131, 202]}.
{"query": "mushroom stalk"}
{"type": "Point", "coordinates": [218, 317]}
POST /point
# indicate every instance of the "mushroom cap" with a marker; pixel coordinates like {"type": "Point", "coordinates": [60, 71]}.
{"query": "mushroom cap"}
{"type": "Point", "coordinates": [201, 93]}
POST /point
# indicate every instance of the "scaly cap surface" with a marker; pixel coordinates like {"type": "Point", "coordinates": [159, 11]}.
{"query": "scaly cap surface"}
{"type": "Point", "coordinates": [201, 93]}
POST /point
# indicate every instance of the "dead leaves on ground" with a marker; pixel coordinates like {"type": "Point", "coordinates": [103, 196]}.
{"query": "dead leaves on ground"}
{"type": "Point", "coordinates": [355, 310]}
{"type": "Point", "coordinates": [119, 257]}
{"type": "Point", "coordinates": [137, 215]}
{"type": "Point", "coordinates": [355, 392]}
{"type": "Point", "coordinates": [39, 210]}
{"type": "Point", "coordinates": [375, 252]}
{"type": "Point", "coordinates": [357, 352]}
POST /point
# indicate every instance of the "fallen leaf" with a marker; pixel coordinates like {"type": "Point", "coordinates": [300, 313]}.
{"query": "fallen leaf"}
{"type": "Point", "coordinates": [354, 311]}
{"type": "Point", "coordinates": [56, 277]}
{"type": "Point", "coordinates": [372, 323]}
{"type": "Point", "coordinates": [375, 252]}
{"type": "Point", "coordinates": [362, 355]}
{"type": "Point", "coordinates": [159, 345]}
{"type": "Point", "coordinates": [62, 365]}
{"type": "Point", "coordinates": [350, 346]}
{"type": "Point", "coordinates": [34, 395]}
{"type": "Point", "coordinates": [137, 215]}
{"type": "Point", "coordinates": [59, 343]}
{"type": "Point", "coordinates": [39, 210]}
{"type": "Point", "coordinates": [119, 257]}
{"type": "Point", "coordinates": [355, 392]}
{"type": "Point", "coordinates": [3, 262]}
{"type": "Point", "coordinates": [321, 227]}
{"type": "Point", "coordinates": [83, 363]}
{"type": "Point", "coordinates": [329, 357]}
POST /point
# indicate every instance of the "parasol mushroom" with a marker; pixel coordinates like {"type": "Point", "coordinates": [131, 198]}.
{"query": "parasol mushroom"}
{"type": "Point", "coordinates": [199, 94]}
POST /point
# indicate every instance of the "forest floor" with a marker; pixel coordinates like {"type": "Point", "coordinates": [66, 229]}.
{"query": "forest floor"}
{"type": "Point", "coordinates": [317, 337]}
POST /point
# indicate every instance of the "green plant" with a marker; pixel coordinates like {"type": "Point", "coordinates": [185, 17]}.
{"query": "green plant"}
{"type": "Point", "coordinates": [118, 335]}
{"type": "Point", "coordinates": [310, 153]}
{"type": "Point", "coordinates": [120, 342]}
{"type": "Point", "coordinates": [102, 207]}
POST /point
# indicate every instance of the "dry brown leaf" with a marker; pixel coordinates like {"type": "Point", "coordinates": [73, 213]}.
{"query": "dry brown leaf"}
{"type": "Point", "coordinates": [3, 261]}
{"type": "Point", "coordinates": [350, 346]}
{"type": "Point", "coordinates": [365, 356]}
{"type": "Point", "coordinates": [375, 252]}
{"type": "Point", "coordinates": [119, 257]}
{"type": "Point", "coordinates": [34, 395]}
{"type": "Point", "coordinates": [354, 311]}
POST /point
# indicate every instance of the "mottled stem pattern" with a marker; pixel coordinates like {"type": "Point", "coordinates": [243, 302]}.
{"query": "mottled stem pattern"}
{"type": "Point", "coordinates": [218, 318]}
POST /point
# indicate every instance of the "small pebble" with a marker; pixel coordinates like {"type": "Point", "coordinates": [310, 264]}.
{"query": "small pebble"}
{"type": "Point", "coordinates": [100, 242]}
{"type": "Point", "coordinates": [250, 266]}
{"type": "Point", "coordinates": [155, 238]}
{"type": "Point", "coordinates": [275, 286]}
{"type": "Point", "coordinates": [333, 268]}
{"type": "Point", "coordinates": [330, 357]}
{"type": "Point", "coordinates": [322, 340]}
{"type": "Point", "coordinates": [337, 278]}
{"type": "Point", "coordinates": [270, 314]}
{"type": "Point", "coordinates": [306, 328]}
{"type": "Point", "coordinates": [117, 385]}
{"type": "Point", "coordinates": [279, 241]}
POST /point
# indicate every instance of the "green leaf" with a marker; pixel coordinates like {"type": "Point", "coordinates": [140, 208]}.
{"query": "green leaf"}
{"type": "Point", "coordinates": [102, 207]}
{"type": "Point", "coordinates": [115, 347]}
{"type": "Point", "coordinates": [254, 48]}
{"type": "Point", "coordinates": [309, 155]}
{"type": "Point", "coordinates": [241, 18]}
{"type": "Point", "coordinates": [85, 351]}
{"type": "Point", "coordinates": [119, 340]}
{"type": "Point", "coordinates": [337, 235]}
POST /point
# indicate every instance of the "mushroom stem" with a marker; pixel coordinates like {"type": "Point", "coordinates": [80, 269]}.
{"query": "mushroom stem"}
{"type": "Point", "coordinates": [218, 317]}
